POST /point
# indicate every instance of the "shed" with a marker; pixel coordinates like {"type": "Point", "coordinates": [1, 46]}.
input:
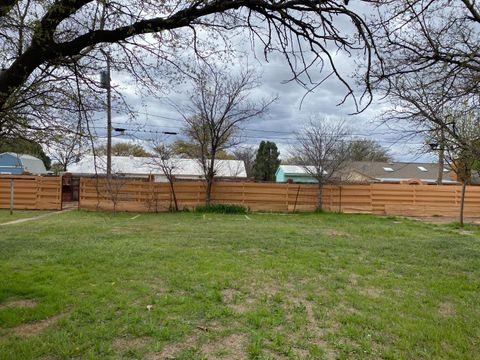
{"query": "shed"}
{"type": "Point", "coordinates": [17, 164]}
{"type": "Point", "coordinates": [295, 173]}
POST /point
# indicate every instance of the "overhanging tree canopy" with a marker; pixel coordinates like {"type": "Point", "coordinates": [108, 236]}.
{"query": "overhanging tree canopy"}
{"type": "Point", "coordinates": [50, 49]}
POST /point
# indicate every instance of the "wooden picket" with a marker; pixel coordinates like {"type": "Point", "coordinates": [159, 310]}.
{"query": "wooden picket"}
{"type": "Point", "coordinates": [386, 199]}
{"type": "Point", "coordinates": [31, 192]}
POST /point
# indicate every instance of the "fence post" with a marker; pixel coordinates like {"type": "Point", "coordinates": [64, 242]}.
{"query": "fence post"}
{"type": "Point", "coordinates": [286, 197]}
{"type": "Point", "coordinates": [11, 195]}
{"type": "Point", "coordinates": [340, 204]}
{"type": "Point", "coordinates": [243, 193]}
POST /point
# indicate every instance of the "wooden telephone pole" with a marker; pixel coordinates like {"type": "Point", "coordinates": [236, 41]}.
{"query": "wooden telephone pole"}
{"type": "Point", "coordinates": [105, 82]}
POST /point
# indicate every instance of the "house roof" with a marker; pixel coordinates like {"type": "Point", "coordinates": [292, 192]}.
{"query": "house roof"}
{"type": "Point", "coordinates": [398, 171]}
{"type": "Point", "coordinates": [146, 166]}
{"type": "Point", "coordinates": [385, 171]}
{"type": "Point", "coordinates": [296, 170]}
{"type": "Point", "coordinates": [29, 163]}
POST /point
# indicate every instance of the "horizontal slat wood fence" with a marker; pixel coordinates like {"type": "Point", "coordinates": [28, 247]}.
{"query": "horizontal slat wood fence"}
{"type": "Point", "coordinates": [31, 192]}
{"type": "Point", "coordinates": [387, 199]}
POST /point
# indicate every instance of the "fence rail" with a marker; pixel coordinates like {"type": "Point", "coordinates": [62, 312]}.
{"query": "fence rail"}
{"type": "Point", "coordinates": [389, 199]}
{"type": "Point", "coordinates": [31, 192]}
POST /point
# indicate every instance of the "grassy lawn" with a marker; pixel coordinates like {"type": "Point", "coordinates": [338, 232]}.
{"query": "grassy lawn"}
{"type": "Point", "coordinates": [18, 214]}
{"type": "Point", "coordinates": [192, 286]}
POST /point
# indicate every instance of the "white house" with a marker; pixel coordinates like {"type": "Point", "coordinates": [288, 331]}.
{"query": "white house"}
{"type": "Point", "coordinates": [130, 166]}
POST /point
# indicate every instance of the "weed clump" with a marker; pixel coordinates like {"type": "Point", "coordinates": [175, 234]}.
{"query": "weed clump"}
{"type": "Point", "coordinates": [222, 209]}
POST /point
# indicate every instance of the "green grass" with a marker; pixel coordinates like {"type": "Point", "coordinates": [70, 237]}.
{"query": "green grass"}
{"type": "Point", "coordinates": [18, 214]}
{"type": "Point", "coordinates": [262, 286]}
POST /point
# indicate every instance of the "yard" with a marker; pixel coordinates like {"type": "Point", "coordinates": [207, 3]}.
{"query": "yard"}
{"type": "Point", "coordinates": [263, 286]}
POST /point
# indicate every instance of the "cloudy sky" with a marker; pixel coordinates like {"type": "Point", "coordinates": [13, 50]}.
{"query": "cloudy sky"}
{"type": "Point", "coordinates": [286, 115]}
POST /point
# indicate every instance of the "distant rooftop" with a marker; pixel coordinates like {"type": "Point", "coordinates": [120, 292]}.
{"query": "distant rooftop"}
{"type": "Point", "coordinates": [142, 166]}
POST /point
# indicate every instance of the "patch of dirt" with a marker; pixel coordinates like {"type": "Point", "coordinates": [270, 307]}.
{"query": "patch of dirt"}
{"type": "Point", "coordinates": [372, 292]}
{"type": "Point", "coordinates": [465, 232]}
{"type": "Point", "coordinates": [300, 353]}
{"type": "Point", "coordinates": [228, 295]}
{"type": "Point", "coordinates": [447, 310]}
{"type": "Point", "coordinates": [318, 332]}
{"type": "Point", "coordinates": [344, 308]}
{"type": "Point", "coordinates": [275, 355]}
{"type": "Point", "coordinates": [335, 232]}
{"type": "Point", "coordinates": [31, 329]}
{"type": "Point", "coordinates": [170, 350]}
{"type": "Point", "coordinates": [126, 343]}
{"type": "Point", "coordinates": [18, 303]}
{"type": "Point", "coordinates": [239, 308]}
{"type": "Point", "coordinates": [353, 278]}
{"type": "Point", "coordinates": [231, 347]}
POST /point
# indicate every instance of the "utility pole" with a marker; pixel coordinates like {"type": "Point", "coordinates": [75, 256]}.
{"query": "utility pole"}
{"type": "Point", "coordinates": [105, 82]}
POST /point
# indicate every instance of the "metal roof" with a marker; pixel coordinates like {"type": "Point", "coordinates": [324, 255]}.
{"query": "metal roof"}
{"type": "Point", "coordinates": [297, 170]}
{"type": "Point", "coordinates": [142, 166]}
{"type": "Point", "coordinates": [29, 163]}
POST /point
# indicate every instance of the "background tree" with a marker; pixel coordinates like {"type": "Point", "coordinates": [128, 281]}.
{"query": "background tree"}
{"type": "Point", "coordinates": [247, 154]}
{"type": "Point", "coordinates": [164, 158]}
{"type": "Point", "coordinates": [266, 161]}
{"type": "Point", "coordinates": [124, 149]}
{"type": "Point", "coordinates": [190, 150]}
{"type": "Point", "coordinates": [368, 150]}
{"type": "Point", "coordinates": [24, 146]}
{"type": "Point", "coordinates": [50, 49]}
{"type": "Point", "coordinates": [463, 156]}
{"type": "Point", "coordinates": [219, 105]}
{"type": "Point", "coordinates": [68, 149]}
{"type": "Point", "coordinates": [323, 151]}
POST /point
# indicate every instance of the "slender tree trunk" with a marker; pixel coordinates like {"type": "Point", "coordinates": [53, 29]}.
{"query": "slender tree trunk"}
{"type": "Point", "coordinates": [319, 196]}
{"type": "Point", "coordinates": [208, 198]}
{"type": "Point", "coordinates": [174, 196]}
{"type": "Point", "coordinates": [210, 177]}
{"type": "Point", "coordinates": [441, 157]}
{"type": "Point", "coordinates": [462, 201]}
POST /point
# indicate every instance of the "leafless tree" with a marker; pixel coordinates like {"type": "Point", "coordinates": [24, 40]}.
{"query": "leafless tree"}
{"type": "Point", "coordinates": [439, 35]}
{"type": "Point", "coordinates": [463, 157]}
{"type": "Point", "coordinates": [68, 148]}
{"type": "Point", "coordinates": [50, 50]}
{"type": "Point", "coordinates": [164, 158]}
{"type": "Point", "coordinates": [219, 105]}
{"type": "Point", "coordinates": [246, 154]}
{"type": "Point", "coordinates": [323, 149]}
{"type": "Point", "coordinates": [430, 53]}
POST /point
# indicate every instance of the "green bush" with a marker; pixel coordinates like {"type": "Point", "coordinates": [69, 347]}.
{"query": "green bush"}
{"type": "Point", "coordinates": [222, 209]}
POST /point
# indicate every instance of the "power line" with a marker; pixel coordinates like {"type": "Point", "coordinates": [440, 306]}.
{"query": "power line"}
{"type": "Point", "coordinates": [158, 132]}
{"type": "Point", "coordinates": [245, 129]}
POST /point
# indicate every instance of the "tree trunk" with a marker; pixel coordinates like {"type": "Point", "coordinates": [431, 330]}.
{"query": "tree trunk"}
{"type": "Point", "coordinates": [208, 197]}
{"type": "Point", "coordinates": [319, 197]}
{"type": "Point", "coordinates": [209, 178]}
{"type": "Point", "coordinates": [174, 196]}
{"type": "Point", "coordinates": [462, 201]}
